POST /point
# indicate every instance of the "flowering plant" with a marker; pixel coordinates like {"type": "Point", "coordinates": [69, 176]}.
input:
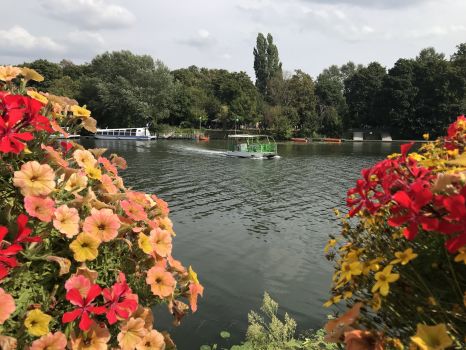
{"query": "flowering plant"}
{"type": "Point", "coordinates": [400, 261]}
{"type": "Point", "coordinates": [82, 257]}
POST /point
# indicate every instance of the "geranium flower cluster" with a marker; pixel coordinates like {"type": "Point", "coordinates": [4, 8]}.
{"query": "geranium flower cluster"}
{"type": "Point", "coordinates": [401, 257]}
{"type": "Point", "coordinates": [82, 257]}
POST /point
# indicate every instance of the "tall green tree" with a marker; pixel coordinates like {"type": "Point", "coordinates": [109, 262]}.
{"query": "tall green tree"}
{"type": "Point", "coordinates": [49, 70]}
{"type": "Point", "coordinates": [267, 65]}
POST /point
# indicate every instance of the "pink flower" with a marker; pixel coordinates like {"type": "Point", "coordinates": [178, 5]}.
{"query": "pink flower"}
{"type": "Point", "coordinates": [161, 241]}
{"type": "Point", "coordinates": [121, 303]}
{"type": "Point", "coordinates": [51, 341]}
{"type": "Point", "coordinates": [79, 282]}
{"type": "Point", "coordinates": [103, 224]}
{"type": "Point", "coordinates": [7, 306]}
{"type": "Point", "coordinates": [108, 165]}
{"type": "Point", "coordinates": [161, 282]}
{"type": "Point", "coordinates": [38, 207]}
{"type": "Point", "coordinates": [134, 210]}
{"type": "Point", "coordinates": [66, 220]}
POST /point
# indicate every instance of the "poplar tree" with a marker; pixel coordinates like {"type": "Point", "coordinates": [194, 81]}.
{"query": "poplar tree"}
{"type": "Point", "coordinates": [267, 63]}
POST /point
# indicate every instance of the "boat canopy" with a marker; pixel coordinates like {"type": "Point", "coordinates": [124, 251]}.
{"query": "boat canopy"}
{"type": "Point", "coordinates": [245, 136]}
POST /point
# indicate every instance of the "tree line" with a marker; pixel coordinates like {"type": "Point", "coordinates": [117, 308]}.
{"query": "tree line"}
{"type": "Point", "coordinates": [415, 96]}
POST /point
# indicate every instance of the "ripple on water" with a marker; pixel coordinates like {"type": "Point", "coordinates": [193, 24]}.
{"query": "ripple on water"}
{"type": "Point", "coordinates": [249, 226]}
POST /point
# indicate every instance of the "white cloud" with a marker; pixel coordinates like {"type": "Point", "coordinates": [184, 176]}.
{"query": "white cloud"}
{"type": "Point", "coordinates": [435, 31]}
{"type": "Point", "coordinates": [82, 43]}
{"type": "Point", "coordinates": [371, 3]}
{"type": "Point", "coordinates": [91, 14]}
{"type": "Point", "coordinates": [202, 39]}
{"type": "Point", "coordinates": [18, 41]}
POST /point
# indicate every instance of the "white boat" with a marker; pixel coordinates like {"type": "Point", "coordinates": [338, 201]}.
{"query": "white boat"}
{"type": "Point", "coordinates": [124, 134]}
{"type": "Point", "coordinates": [251, 146]}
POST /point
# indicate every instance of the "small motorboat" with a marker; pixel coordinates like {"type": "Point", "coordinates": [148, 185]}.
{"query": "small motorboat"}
{"type": "Point", "coordinates": [299, 139]}
{"type": "Point", "coordinates": [203, 138]}
{"type": "Point", "coordinates": [251, 146]}
{"type": "Point", "coordinates": [333, 140]}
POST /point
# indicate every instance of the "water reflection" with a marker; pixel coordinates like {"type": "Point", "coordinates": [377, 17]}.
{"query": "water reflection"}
{"type": "Point", "coordinates": [249, 226]}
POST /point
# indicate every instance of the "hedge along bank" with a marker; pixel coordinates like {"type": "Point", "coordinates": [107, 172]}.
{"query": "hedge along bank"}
{"type": "Point", "coordinates": [82, 257]}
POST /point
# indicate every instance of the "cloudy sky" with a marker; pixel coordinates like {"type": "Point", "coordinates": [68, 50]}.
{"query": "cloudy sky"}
{"type": "Point", "coordinates": [310, 34]}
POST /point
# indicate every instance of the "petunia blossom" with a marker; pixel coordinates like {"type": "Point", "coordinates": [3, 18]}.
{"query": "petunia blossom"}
{"type": "Point", "coordinates": [134, 210]}
{"type": "Point", "coordinates": [50, 341]}
{"type": "Point", "coordinates": [103, 224]}
{"type": "Point", "coordinates": [66, 220]}
{"type": "Point", "coordinates": [161, 282]}
{"type": "Point", "coordinates": [39, 207]}
{"type": "Point", "coordinates": [96, 338]}
{"type": "Point", "coordinates": [152, 341]}
{"type": "Point", "coordinates": [7, 306]}
{"type": "Point", "coordinates": [35, 179]}
{"type": "Point", "coordinates": [79, 282]}
{"type": "Point", "coordinates": [161, 241]}
{"type": "Point", "coordinates": [132, 332]}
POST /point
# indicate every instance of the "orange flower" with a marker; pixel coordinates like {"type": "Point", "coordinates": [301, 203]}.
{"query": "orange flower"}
{"type": "Point", "coordinates": [162, 205]}
{"type": "Point", "coordinates": [166, 224]}
{"type": "Point", "coordinates": [134, 210]}
{"type": "Point", "coordinates": [51, 341]}
{"type": "Point", "coordinates": [119, 162]}
{"type": "Point", "coordinates": [161, 282]}
{"type": "Point", "coordinates": [35, 179]}
{"type": "Point", "coordinates": [66, 221]}
{"type": "Point", "coordinates": [96, 338]}
{"type": "Point", "coordinates": [103, 224]}
{"type": "Point", "coordinates": [108, 165]}
{"type": "Point", "coordinates": [152, 341]}
{"type": "Point", "coordinates": [107, 184]}
{"type": "Point", "coordinates": [84, 158]}
{"type": "Point", "coordinates": [131, 333]}
{"type": "Point", "coordinates": [138, 197]}
{"type": "Point", "coordinates": [54, 156]}
{"type": "Point", "coordinates": [161, 241]}
{"type": "Point", "coordinates": [8, 73]}
{"type": "Point", "coordinates": [335, 328]}
{"type": "Point", "coordinates": [38, 207]}
{"type": "Point", "coordinates": [363, 340]}
{"type": "Point", "coordinates": [7, 306]}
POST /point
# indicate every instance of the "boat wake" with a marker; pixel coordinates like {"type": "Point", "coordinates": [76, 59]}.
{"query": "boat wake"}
{"type": "Point", "coordinates": [203, 151]}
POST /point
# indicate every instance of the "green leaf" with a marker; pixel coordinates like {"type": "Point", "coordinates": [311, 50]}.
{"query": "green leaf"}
{"type": "Point", "coordinates": [225, 334]}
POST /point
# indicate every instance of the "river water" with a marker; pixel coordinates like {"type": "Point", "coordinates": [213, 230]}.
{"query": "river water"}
{"type": "Point", "coordinates": [248, 226]}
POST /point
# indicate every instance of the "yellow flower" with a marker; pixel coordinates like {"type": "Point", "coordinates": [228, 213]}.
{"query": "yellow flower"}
{"type": "Point", "coordinates": [31, 74]}
{"type": "Point", "coordinates": [144, 243]}
{"type": "Point", "coordinates": [85, 247]}
{"type": "Point", "coordinates": [461, 255]}
{"type": "Point", "coordinates": [80, 112]}
{"type": "Point", "coordinates": [37, 323]}
{"type": "Point", "coordinates": [432, 337]}
{"type": "Point", "coordinates": [425, 136]}
{"type": "Point", "coordinates": [416, 156]}
{"type": "Point", "coordinates": [404, 257]}
{"type": "Point", "coordinates": [350, 269]}
{"type": "Point", "coordinates": [192, 275]}
{"type": "Point", "coordinates": [376, 302]}
{"type": "Point", "coordinates": [373, 265]}
{"type": "Point", "coordinates": [333, 300]}
{"type": "Point", "coordinates": [37, 96]}
{"type": "Point", "coordinates": [331, 243]}
{"type": "Point", "coordinates": [384, 278]}
{"type": "Point", "coordinates": [347, 294]}
{"type": "Point", "coordinates": [93, 173]}
{"type": "Point", "coordinates": [8, 73]}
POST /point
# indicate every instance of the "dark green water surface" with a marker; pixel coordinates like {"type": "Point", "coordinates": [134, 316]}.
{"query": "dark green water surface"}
{"type": "Point", "coordinates": [248, 226]}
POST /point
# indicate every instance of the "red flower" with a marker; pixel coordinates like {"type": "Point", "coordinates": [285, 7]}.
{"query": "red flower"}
{"type": "Point", "coordinates": [408, 209]}
{"type": "Point", "coordinates": [24, 232]}
{"type": "Point", "coordinates": [10, 140]}
{"type": "Point", "coordinates": [85, 307]}
{"type": "Point", "coordinates": [120, 301]}
{"type": "Point", "coordinates": [7, 254]}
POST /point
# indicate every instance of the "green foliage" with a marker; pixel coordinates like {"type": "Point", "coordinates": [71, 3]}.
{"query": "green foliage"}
{"type": "Point", "coordinates": [267, 63]}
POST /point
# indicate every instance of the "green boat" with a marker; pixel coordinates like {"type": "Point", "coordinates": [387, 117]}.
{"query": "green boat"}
{"type": "Point", "coordinates": [251, 146]}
